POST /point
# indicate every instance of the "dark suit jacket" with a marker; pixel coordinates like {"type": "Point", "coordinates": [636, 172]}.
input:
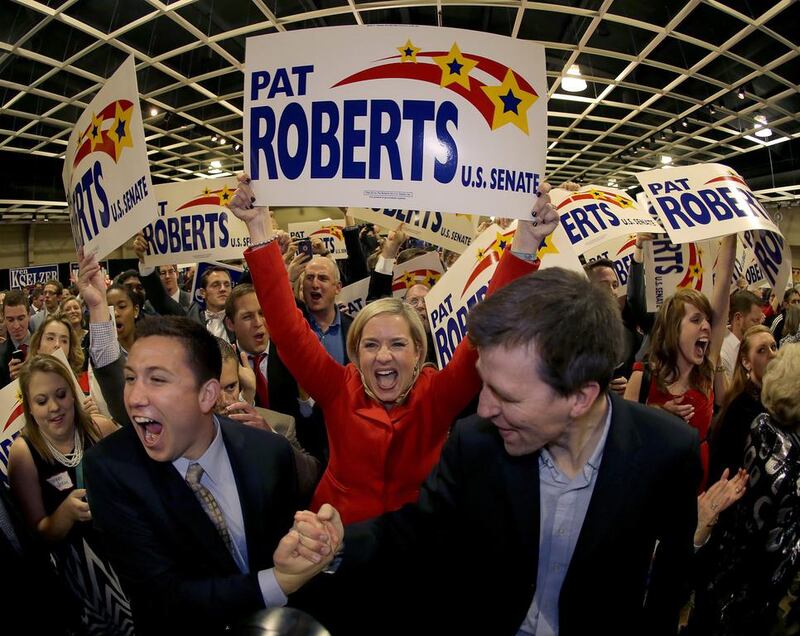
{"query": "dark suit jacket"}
{"type": "Point", "coordinates": [6, 349]}
{"type": "Point", "coordinates": [173, 564]}
{"type": "Point", "coordinates": [472, 540]}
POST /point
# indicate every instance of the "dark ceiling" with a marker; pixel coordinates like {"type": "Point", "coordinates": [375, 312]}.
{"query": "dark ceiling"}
{"type": "Point", "coordinates": [662, 78]}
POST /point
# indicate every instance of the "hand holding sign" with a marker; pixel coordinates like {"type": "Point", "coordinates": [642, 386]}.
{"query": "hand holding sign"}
{"type": "Point", "coordinates": [140, 247]}
{"type": "Point", "coordinates": [257, 219]}
{"type": "Point", "coordinates": [393, 242]}
{"type": "Point", "coordinates": [91, 284]}
{"type": "Point", "coordinates": [531, 234]}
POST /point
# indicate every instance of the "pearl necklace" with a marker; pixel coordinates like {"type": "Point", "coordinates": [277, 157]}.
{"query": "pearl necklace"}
{"type": "Point", "coordinates": [70, 460]}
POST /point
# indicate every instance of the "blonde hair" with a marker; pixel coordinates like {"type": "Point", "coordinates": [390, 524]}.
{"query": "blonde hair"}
{"type": "Point", "coordinates": [392, 307]}
{"type": "Point", "coordinates": [83, 422]}
{"type": "Point", "coordinates": [779, 393]}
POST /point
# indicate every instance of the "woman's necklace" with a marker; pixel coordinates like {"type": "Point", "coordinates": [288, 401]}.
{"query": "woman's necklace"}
{"type": "Point", "coordinates": [70, 460]}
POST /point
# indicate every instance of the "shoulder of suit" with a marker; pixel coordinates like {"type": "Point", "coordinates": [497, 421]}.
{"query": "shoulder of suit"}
{"type": "Point", "coordinates": [254, 439]}
{"type": "Point", "coordinates": [654, 426]}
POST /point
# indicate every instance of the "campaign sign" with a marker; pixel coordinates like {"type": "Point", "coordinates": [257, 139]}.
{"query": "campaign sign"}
{"type": "Point", "coordinates": [197, 294]}
{"type": "Point", "coordinates": [773, 257]}
{"type": "Point", "coordinates": [22, 277]}
{"type": "Point", "coordinates": [75, 270]}
{"type": "Point", "coordinates": [467, 281]}
{"type": "Point", "coordinates": [595, 214]}
{"type": "Point", "coordinates": [425, 269]}
{"type": "Point", "coordinates": [420, 117]}
{"type": "Point", "coordinates": [194, 224]}
{"type": "Point", "coordinates": [106, 173]}
{"type": "Point", "coordinates": [328, 231]}
{"type": "Point", "coordinates": [353, 298]}
{"type": "Point", "coordinates": [451, 231]}
{"type": "Point", "coordinates": [703, 201]}
{"type": "Point", "coordinates": [12, 419]}
{"type": "Point", "coordinates": [619, 251]}
{"type": "Point", "coordinates": [669, 267]}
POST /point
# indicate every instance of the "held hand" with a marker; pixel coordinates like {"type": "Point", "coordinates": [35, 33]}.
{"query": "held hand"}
{"type": "Point", "coordinates": [247, 379]}
{"type": "Point", "coordinates": [75, 507]}
{"type": "Point", "coordinates": [292, 570]}
{"type": "Point", "coordinates": [284, 240]}
{"type": "Point", "coordinates": [257, 218]}
{"type": "Point", "coordinates": [140, 246]}
{"type": "Point", "coordinates": [570, 186]}
{"type": "Point", "coordinates": [91, 284]}
{"type": "Point", "coordinates": [247, 414]}
{"type": "Point", "coordinates": [531, 234]}
{"type": "Point", "coordinates": [321, 534]}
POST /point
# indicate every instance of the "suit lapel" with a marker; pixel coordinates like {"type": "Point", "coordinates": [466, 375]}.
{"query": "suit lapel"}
{"type": "Point", "coordinates": [522, 488]}
{"type": "Point", "coordinates": [250, 487]}
{"type": "Point", "coordinates": [186, 511]}
{"type": "Point", "coordinates": [618, 465]}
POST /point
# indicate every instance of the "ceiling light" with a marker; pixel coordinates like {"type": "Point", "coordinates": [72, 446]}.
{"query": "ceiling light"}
{"type": "Point", "coordinates": [153, 111]}
{"type": "Point", "coordinates": [236, 147]}
{"type": "Point", "coordinates": [573, 82]}
{"type": "Point", "coordinates": [214, 138]}
{"type": "Point", "coordinates": [740, 93]}
{"type": "Point", "coordinates": [712, 110]}
{"type": "Point", "coordinates": [762, 130]}
{"type": "Point", "coordinates": [684, 123]}
{"type": "Point", "coordinates": [666, 159]}
{"type": "Point", "coordinates": [222, 141]}
{"type": "Point", "coordinates": [216, 163]}
{"type": "Point", "coordinates": [214, 171]}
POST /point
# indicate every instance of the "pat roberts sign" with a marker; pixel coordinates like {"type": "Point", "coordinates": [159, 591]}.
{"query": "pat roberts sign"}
{"type": "Point", "coordinates": [106, 173]}
{"type": "Point", "coordinates": [404, 117]}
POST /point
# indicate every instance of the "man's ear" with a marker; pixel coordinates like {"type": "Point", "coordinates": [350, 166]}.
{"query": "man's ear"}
{"type": "Point", "coordinates": [208, 395]}
{"type": "Point", "coordinates": [584, 398]}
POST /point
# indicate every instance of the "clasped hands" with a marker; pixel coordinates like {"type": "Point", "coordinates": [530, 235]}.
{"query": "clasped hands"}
{"type": "Point", "coordinates": [308, 548]}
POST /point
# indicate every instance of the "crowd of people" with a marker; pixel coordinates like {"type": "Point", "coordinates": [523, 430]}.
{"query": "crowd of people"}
{"type": "Point", "coordinates": [580, 465]}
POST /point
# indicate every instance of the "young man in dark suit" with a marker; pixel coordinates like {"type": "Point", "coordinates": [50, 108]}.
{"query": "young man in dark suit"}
{"type": "Point", "coordinates": [559, 509]}
{"type": "Point", "coordinates": [191, 505]}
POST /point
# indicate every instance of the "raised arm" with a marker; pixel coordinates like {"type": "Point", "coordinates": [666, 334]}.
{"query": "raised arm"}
{"type": "Point", "coordinates": [301, 351]}
{"type": "Point", "coordinates": [723, 271]}
{"type": "Point", "coordinates": [153, 287]}
{"type": "Point", "coordinates": [459, 377]}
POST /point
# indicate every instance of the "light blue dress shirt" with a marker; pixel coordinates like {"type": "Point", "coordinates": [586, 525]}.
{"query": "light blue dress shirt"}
{"type": "Point", "coordinates": [563, 506]}
{"type": "Point", "coordinates": [218, 478]}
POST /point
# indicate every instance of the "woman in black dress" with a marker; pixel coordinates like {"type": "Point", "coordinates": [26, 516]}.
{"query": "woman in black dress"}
{"type": "Point", "coordinates": [44, 470]}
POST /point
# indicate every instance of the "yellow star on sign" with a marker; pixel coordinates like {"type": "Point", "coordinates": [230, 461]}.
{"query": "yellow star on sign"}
{"type": "Point", "coordinates": [548, 247]}
{"type": "Point", "coordinates": [120, 131]}
{"type": "Point", "coordinates": [481, 254]}
{"type": "Point", "coordinates": [408, 52]}
{"type": "Point", "coordinates": [511, 103]}
{"type": "Point", "coordinates": [95, 131]}
{"type": "Point", "coordinates": [408, 279]}
{"type": "Point", "coordinates": [499, 244]}
{"type": "Point", "coordinates": [455, 67]}
{"type": "Point", "coordinates": [225, 194]}
{"type": "Point", "coordinates": [206, 191]}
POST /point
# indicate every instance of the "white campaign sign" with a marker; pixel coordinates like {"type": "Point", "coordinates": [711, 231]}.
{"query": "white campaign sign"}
{"type": "Point", "coordinates": [703, 201]}
{"type": "Point", "coordinates": [106, 173]}
{"type": "Point", "coordinates": [425, 269]}
{"type": "Point", "coordinates": [353, 298]}
{"type": "Point", "coordinates": [773, 257]}
{"type": "Point", "coordinates": [451, 231]}
{"type": "Point", "coordinates": [194, 224]}
{"type": "Point", "coordinates": [619, 251]}
{"type": "Point", "coordinates": [669, 267]}
{"type": "Point", "coordinates": [467, 281]}
{"type": "Point", "coordinates": [414, 116]}
{"type": "Point", "coordinates": [329, 232]}
{"type": "Point", "coordinates": [12, 419]}
{"type": "Point", "coordinates": [593, 215]}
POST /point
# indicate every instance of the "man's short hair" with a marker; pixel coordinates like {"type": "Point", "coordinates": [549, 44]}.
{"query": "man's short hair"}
{"type": "Point", "coordinates": [575, 326]}
{"type": "Point", "coordinates": [124, 276]}
{"type": "Point", "coordinates": [55, 283]}
{"type": "Point", "coordinates": [600, 262]}
{"type": "Point", "coordinates": [16, 298]}
{"type": "Point", "coordinates": [789, 293]}
{"type": "Point", "coordinates": [202, 351]}
{"type": "Point", "coordinates": [207, 273]}
{"type": "Point", "coordinates": [226, 350]}
{"type": "Point", "coordinates": [742, 303]}
{"type": "Point", "coordinates": [242, 289]}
